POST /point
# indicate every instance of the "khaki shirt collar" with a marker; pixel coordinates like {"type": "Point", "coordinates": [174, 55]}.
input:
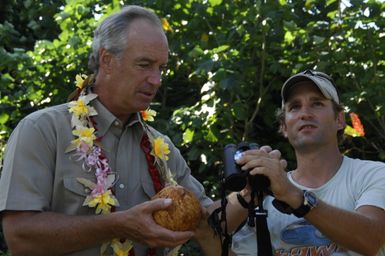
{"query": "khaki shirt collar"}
{"type": "Point", "coordinates": [104, 119]}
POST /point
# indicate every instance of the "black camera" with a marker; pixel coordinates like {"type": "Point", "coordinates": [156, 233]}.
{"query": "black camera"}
{"type": "Point", "coordinates": [235, 179]}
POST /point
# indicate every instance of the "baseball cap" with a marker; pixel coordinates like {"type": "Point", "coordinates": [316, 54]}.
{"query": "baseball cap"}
{"type": "Point", "coordinates": [324, 83]}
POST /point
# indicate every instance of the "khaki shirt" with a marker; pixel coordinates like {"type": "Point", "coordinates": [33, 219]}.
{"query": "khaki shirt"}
{"type": "Point", "coordinates": [39, 176]}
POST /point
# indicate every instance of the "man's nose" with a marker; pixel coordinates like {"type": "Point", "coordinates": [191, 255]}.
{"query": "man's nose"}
{"type": "Point", "coordinates": [155, 78]}
{"type": "Point", "coordinates": [306, 112]}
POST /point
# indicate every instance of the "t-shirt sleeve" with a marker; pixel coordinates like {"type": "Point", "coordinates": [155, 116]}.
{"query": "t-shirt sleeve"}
{"type": "Point", "coordinates": [372, 186]}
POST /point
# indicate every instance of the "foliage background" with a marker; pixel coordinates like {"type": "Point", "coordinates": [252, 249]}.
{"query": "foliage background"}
{"type": "Point", "coordinates": [228, 60]}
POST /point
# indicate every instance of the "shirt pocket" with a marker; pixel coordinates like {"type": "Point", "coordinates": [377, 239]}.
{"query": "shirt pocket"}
{"type": "Point", "coordinates": [71, 199]}
{"type": "Point", "coordinates": [73, 185]}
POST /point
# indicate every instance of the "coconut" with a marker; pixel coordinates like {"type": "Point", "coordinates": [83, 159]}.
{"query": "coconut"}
{"type": "Point", "coordinates": [183, 214]}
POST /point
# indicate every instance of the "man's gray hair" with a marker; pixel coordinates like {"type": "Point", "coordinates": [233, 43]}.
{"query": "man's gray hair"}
{"type": "Point", "coordinates": [111, 34]}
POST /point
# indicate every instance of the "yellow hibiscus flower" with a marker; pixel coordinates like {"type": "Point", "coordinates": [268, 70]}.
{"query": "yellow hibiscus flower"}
{"type": "Point", "coordinates": [160, 148]}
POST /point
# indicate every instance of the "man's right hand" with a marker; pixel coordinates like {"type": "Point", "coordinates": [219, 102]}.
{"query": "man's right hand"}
{"type": "Point", "coordinates": [139, 225]}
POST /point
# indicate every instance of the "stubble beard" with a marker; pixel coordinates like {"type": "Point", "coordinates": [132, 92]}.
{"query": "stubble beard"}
{"type": "Point", "coordinates": [307, 144]}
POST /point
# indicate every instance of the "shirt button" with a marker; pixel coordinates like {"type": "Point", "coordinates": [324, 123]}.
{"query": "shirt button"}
{"type": "Point", "coordinates": [116, 123]}
{"type": "Point", "coordinates": [121, 186]}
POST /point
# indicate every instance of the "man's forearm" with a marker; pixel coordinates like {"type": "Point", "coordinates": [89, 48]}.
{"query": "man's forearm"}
{"type": "Point", "coordinates": [235, 213]}
{"type": "Point", "coordinates": [362, 231]}
{"type": "Point", "coordinates": [47, 233]}
{"type": "Point", "coordinates": [211, 245]}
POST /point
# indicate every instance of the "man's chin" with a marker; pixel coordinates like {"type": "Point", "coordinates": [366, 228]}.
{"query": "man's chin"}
{"type": "Point", "coordinates": [143, 107]}
{"type": "Point", "coordinates": [306, 145]}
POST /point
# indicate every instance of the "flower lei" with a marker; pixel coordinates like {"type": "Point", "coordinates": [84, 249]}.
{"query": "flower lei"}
{"type": "Point", "coordinates": [88, 149]}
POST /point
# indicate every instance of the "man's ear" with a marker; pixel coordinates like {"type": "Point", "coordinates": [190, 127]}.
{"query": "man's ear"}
{"type": "Point", "coordinates": [341, 123]}
{"type": "Point", "coordinates": [105, 60]}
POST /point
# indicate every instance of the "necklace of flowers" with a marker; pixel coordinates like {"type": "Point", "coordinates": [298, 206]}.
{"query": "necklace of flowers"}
{"type": "Point", "coordinates": [88, 149]}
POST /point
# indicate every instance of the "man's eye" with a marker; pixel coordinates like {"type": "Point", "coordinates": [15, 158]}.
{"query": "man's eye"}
{"type": "Point", "coordinates": [143, 65]}
{"type": "Point", "coordinates": [294, 107]}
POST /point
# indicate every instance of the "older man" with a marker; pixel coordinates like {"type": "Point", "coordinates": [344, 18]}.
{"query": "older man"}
{"type": "Point", "coordinates": [78, 177]}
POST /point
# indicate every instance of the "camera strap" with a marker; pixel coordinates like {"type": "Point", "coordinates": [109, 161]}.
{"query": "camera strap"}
{"type": "Point", "coordinates": [216, 223]}
{"type": "Point", "coordinates": [262, 230]}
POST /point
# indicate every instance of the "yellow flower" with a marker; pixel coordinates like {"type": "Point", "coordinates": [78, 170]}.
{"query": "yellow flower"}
{"type": "Point", "coordinates": [166, 26]}
{"type": "Point", "coordinates": [148, 115]}
{"type": "Point", "coordinates": [79, 108]}
{"type": "Point", "coordinates": [85, 134]}
{"type": "Point", "coordinates": [80, 81]}
{"type": "Point", "coordinates": [102, 202]}
{"type": "Point", "coordinates": [121, 248]}
{"type": "Point", "coordinates": [160, 148]}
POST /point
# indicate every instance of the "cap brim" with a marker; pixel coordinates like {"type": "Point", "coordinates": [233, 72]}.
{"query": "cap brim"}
{"type": "Point", "coordinates": [325, 86]}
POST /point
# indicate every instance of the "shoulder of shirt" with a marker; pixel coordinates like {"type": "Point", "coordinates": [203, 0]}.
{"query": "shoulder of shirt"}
{"type": "Point", "coordinates": [362, 165]}
{"type": "Point", "coordinates": [52, 112]}
{"type": "Point", "coordinates": [154, 131]}
{"type": "Point", "coordinates": [158, 133]}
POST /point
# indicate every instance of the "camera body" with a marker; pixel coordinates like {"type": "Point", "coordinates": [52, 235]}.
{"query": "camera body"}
{"type": "Point", "coordinates": [235, 179]}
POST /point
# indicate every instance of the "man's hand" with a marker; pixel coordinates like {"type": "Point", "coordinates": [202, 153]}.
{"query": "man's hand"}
{"type": "Point", "coordinates": [139, 225]}
{"type": "Point", "coordinates": [268, 162]}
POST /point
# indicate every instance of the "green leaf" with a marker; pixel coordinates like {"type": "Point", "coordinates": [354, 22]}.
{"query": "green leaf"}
{"type": "Point", "coordinates": [329, 2]}
{"type": "Point", "coordinates": [188, 136]}
{"type": "Point", "coordinates": [221, 48]}
{"type": "Point", "coordinates": [195, 52]}
{"type": "Point", "coordinates": [210, 136]}
{"type": "Point", "coordinates": [289, 37]}
{"type": "Point", "coordinates": [4, 117]}
{"type": "Point", "coordinates": [215, 2]}
{"type": "Point", "coordinates": [333, 14]}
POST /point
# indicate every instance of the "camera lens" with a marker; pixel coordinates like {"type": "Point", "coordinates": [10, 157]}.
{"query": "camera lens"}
{"type": "Point", "coordinates": [235, 179]}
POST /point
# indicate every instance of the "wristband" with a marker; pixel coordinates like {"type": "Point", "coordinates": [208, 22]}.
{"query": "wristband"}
{"type": "Point", "coordinates": [242, 201]}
